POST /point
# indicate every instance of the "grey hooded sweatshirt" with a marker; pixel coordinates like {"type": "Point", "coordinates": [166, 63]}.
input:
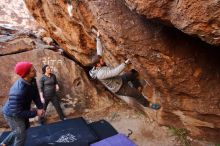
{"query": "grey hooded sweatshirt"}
{"type": "Point", "coordinates": [109, 76]}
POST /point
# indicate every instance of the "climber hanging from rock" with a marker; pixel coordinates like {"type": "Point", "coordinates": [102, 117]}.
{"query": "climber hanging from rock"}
{"type": "Point", "coordinates": [112, 79]}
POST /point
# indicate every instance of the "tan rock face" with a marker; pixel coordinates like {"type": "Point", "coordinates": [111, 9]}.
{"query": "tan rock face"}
{"type": "Point", "coordinates": [16, 41]}
{"type": "Point", "coordinates": [73, 35]}
{"type": "Point", "coordinates": [182, 72]}
{"type": "Point", "coordinates": [14, 14]}
{"type": "Point", "coordinates": [194, 17]}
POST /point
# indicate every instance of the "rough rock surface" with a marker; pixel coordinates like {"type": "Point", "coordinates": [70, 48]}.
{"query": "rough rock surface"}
{"type": "Point", "coordinates": [15, 41]}
{"type": "Point", "coordinates": [15, 14]}
{"type": "Point", "coordinates": [194, 17]}
{"type": "Point", "coordinates": [182, 72]}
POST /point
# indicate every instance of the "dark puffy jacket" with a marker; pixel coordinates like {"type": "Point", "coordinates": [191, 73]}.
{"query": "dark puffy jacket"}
{"type": "Point", "coordinates": [20, 97]}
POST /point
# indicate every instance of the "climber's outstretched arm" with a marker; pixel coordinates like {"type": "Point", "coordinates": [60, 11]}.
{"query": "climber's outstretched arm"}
{"type": "Point", "coordinates": [99, 45]}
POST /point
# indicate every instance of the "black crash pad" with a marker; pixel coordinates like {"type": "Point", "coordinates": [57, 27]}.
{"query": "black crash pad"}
{"type": "Point", "coordinates": [102, 129]}
{"type": "Point", "coordinates": [74, 132]}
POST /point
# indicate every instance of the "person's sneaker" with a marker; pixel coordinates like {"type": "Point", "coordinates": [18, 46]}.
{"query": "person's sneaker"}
{"type": "Point", "coordinates": [155, 106]}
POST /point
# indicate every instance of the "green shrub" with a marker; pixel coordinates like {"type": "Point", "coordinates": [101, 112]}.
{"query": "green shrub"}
{"type": "Point", "coordinates": [181, 135]}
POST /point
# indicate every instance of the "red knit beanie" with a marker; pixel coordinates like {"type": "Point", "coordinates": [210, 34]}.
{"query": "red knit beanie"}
{"type": "Point", "coordinates": [23, 68]}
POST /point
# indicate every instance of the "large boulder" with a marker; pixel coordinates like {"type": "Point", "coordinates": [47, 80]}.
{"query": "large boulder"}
{"type": "Point", "coordinates": [194, 17]}
{"type": "Point", "coordinates": [182, 72]}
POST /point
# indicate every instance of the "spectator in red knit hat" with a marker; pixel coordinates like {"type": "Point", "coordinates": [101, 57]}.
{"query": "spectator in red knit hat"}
{"type": "Point", "coordinates": [23, 68]}
{"type": "Point", "coordinates": [17, 109]}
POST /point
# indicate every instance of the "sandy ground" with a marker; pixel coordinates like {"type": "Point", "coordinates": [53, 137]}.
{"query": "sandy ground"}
{"type": "Point", "coordinates": [145, 132]}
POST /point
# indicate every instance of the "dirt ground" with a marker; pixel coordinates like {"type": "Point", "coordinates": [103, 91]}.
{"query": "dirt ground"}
{"type": "Point", "coordinates": [145, 131]}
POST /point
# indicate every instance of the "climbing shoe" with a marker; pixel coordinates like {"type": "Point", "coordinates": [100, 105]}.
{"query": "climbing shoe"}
{"type": "Point", "coordinates": [155, 106]}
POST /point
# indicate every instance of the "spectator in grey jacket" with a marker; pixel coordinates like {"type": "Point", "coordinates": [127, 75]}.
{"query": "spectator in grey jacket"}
{"type": "Point", "coordinates": [17, 109]}
{"type": "Point", "coordinates": [113, 80]}
{"type": "Point", "coordinates": [48, 88]}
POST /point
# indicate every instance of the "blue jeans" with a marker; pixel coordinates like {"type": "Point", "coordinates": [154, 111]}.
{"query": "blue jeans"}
{"type": "Point", "coordinates": [127, 90]}
{"type": "Point", "coordinates": [18, 135]}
